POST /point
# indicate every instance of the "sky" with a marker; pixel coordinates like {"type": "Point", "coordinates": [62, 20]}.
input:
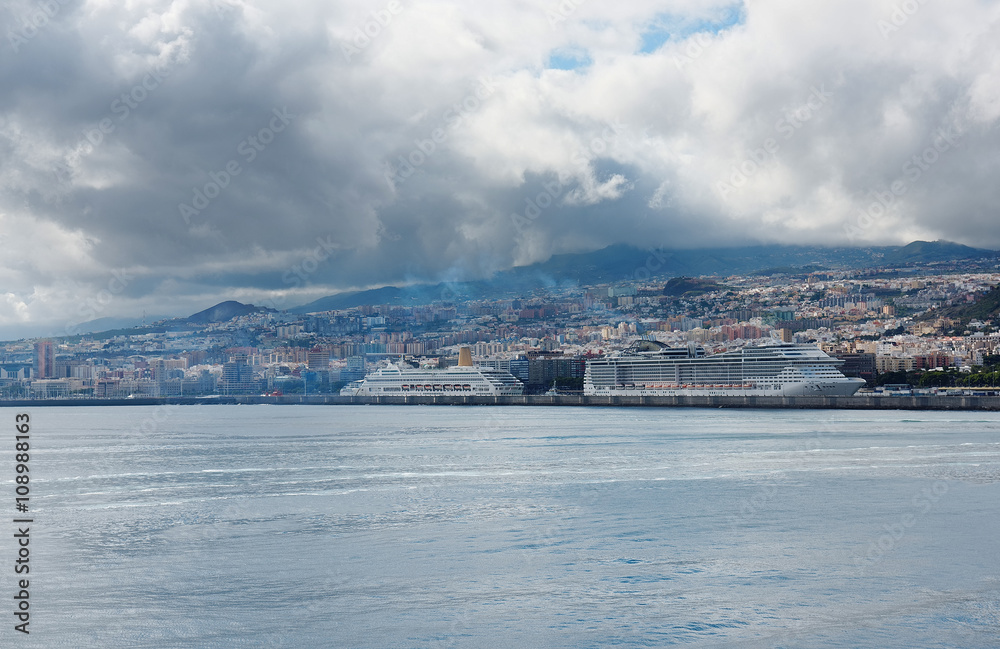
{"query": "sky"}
{"type": "Point", "coordinates": [161, 156]}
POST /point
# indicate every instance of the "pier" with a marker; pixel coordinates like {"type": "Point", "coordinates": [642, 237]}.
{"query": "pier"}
{"type": "Point", "coordinates": [856, 402]}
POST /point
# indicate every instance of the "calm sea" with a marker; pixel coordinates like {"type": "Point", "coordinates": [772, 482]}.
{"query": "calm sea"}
{"type": "Point", "coordinates": [364, 526]}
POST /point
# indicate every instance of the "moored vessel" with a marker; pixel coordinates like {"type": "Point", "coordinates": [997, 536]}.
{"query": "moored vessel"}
{"type": "Point", "coordinates": [778, 369]}
{"type": "Point", "coordinates": [464, 379]}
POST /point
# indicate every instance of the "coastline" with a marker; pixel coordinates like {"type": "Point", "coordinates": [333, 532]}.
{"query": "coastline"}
{"type": "Point", "coordinates": [921, 402]}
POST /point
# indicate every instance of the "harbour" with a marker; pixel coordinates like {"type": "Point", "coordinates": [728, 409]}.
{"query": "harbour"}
{"type": "Point", "coordinates": [855, 402]}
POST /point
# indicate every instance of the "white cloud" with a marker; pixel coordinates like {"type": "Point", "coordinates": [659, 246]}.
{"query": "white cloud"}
{"type": "Point", "coordinates": [690, 113]}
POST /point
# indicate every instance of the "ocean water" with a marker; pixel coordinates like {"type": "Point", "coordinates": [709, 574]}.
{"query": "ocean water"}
{"type": "Point", "coordinates": [383, 526]}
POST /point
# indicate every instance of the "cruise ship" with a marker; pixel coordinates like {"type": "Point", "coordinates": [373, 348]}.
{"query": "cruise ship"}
{"type": "Point", "coordinates": [650, 368]}
{"type": "Point", "coordinates": [464, 379]}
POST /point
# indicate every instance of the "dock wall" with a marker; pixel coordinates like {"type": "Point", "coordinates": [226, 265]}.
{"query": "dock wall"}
{"type": "Point", "coordinates": [924, 402]}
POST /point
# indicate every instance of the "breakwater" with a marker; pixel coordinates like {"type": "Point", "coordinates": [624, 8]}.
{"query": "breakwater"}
{"type": "Point", "coordinates": [864, 402]}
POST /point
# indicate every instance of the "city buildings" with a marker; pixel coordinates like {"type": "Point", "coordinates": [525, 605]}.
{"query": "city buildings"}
{"type": "Point", "coordinates": [877, 325]}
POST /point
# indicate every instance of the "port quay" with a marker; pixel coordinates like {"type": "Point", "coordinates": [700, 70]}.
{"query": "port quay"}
{"type": "Point", "coordinates": [856, 402]}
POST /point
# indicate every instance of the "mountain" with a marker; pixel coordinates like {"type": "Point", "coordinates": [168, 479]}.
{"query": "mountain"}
{"type": "Point", "coordinates": [621, 263]}
{"type": "Point", "coordinates": [224, 311]}
{"type": "Point", "coordinates": [625, 264]}
{"type": "Point", "coordinates": [104, 324]}
{"type": "Point", "coordinates": [923, 252]}
{"type": "Point", "coordinates": [690, 286]}
{"type": "Point", "coordinates": [408, 295]}
{"type": "Point", "coordinates": [616, 264]}
{"type": "Point", "coordinates": [384, 295]}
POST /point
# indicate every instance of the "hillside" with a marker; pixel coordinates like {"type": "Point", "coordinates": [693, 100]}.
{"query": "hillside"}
{"type": "Point", "coordinates": [931, 251]}
{"type": "Point", "coordinates": [624, 263]}
{"type": "Point", "coordinates": [985, 308]}
{"type": "Point", "coordinates": [690, 286]}
{"type": "Point", "coordinates": [225, 311]}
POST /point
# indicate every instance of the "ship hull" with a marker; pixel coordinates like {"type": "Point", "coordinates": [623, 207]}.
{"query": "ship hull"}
{"type": "Point", "coordinates": [844, 388]}
{"type": "Point", "coordinates": [458, 381]}
{"type": "Point", "coordinates": [783, 370]}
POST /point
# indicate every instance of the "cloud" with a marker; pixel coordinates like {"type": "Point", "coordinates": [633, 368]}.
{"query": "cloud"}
{"type": "Point", "coordinates": [416, 132]}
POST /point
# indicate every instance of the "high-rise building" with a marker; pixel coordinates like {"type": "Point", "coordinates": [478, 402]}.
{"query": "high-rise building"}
{"type": "Point", "coordinates": [318, 359]}
{"type": "Point", "coordinates": [622, 291]}
{"type": "Point", "coordinates": [45, 360]}
{"type": "Point", "coordinates": [354, 370]}
{"type": "Point", "coordinates": [237, 377]}
{"type": "Point", "coordinates": [861, 365]}
{"type": "Point", "coordinates": [885, 363]}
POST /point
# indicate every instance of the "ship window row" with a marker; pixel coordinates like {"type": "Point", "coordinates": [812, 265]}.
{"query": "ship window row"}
{"type": "Point", "coordinates": [714, 360]}
{"type": "Point", "coordinates": [429, 386]}
{"type": "Point", "coordinates": [703, 377]}
{"type": "Point", "coordinates": [658, 373]}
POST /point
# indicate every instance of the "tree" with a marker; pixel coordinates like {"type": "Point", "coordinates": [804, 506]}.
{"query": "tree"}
{"type": "Point", "coordinates": [936, 379]}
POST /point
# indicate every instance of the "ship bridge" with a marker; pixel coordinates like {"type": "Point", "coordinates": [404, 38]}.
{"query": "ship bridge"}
{"type": "Point", "coordinates": [647, 348]}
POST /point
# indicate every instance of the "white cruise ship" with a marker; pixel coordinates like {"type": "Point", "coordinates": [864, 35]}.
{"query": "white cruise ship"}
{"type": "Point", "coordinates": [650, 368]}
{"type": "Point", "coordinates": [464, 379]}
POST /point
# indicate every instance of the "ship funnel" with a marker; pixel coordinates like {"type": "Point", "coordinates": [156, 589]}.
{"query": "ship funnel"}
{"type": "Point", "coordinates": [464, 357]}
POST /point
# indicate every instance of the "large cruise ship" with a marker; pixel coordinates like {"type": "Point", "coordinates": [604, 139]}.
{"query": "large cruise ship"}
{"type": "Point", "coordinates": [650, 368]}
{"type": "Point", "coordinates": [463, 379]}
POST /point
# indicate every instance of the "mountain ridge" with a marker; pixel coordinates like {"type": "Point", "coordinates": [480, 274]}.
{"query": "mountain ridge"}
{"type": "Point", "coordinates": [625, 263]}
{"type": "Point", "coordinates": [618, 263]}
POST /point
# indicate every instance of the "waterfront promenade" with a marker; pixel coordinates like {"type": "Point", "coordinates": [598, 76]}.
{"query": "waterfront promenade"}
{"type": "Point", "coordinates": [864, 402]}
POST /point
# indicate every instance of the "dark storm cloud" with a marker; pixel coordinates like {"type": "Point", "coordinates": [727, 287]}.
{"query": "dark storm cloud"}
{"type": "Point", "coordinates": [209, 149]}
